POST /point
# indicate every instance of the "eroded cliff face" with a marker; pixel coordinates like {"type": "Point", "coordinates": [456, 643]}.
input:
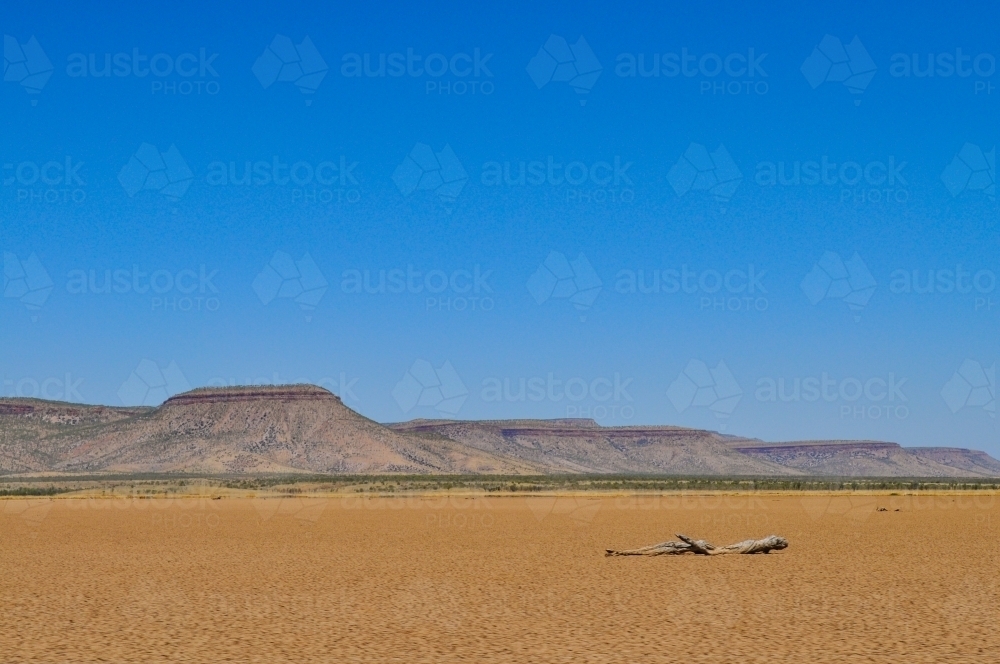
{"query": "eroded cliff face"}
{"type": "Point", "coordinates": [582, 446]}
{"type": "Point", "coordinates": [304, 428]}
{"type": "Point", "coordinates": [298, 428]}
{"type": "Point", "coordinates": [34, 434]}
{"type": "Point", "coordinates": [254, 393]}
{"type": "Point", "coordinates": [865, 458]}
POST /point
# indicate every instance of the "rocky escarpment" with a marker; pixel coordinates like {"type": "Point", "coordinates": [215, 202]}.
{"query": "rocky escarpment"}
{"type": "Point", "coordinates": [973, 461]}
{"type": "Point", "coordinates": [582, 446]}
{"type": "Point", "coordinates": [299, 428]}
{"type": "Point", "coordinates": [856, 459]}
{"type": "Point", "coordinates": [304, 428]}
{"type": "Point", "coordinates": [36, 434]}
{"type": "Point", "coordinates": [254, 393]}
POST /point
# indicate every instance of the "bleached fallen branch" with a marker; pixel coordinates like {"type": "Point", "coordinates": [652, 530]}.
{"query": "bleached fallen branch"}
{"type": "Point", "coordinates": [701, 547]}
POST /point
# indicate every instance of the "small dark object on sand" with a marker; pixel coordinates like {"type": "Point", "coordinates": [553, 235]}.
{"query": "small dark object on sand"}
{"type": "Point", "coordinates": [701, 547]}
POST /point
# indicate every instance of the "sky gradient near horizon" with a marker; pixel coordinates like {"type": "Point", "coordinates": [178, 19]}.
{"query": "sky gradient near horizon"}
{"type": "Point", "coordinates": [777, 223]}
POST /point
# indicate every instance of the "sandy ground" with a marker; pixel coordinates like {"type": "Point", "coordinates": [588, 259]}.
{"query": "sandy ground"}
{"type": "Point", "coordinates": [448, 579]}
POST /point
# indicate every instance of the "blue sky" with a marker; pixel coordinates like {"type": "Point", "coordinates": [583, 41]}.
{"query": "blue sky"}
{"type": "Point", "coordinates": [660, 261]}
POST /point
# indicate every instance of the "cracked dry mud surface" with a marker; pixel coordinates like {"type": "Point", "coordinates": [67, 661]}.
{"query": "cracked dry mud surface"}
{"type": "Point", "coordinates": [456, 579]}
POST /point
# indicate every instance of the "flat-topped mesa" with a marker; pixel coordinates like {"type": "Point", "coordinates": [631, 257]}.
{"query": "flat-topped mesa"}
{"type": "Point", "coordinates": [565, 427]}
{"type": "Point", "coordinates": [29, 409]}
{"type": "Point", "coordinates": [573, 424]}
{"type": "Point", "coordinates": [957, 457]}
{"type": "Point", "coordinates": [206, 395]}
{"type": "Point", "coordinates": [16, 409]}
{"type": "Point", "coordinates": [813, 446]}
{"type": "Point", "coordinates": [626, 432]}
{"type": "Point", "coordinates": [305, 428]}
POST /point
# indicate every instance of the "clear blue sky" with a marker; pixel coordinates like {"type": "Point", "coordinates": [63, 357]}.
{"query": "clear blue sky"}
{"type": "Point", "coordinates": [425, 208]}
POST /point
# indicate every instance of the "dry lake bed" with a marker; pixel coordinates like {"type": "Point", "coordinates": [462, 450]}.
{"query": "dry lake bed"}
{"type": "Point", "coordinates": [458, 578]}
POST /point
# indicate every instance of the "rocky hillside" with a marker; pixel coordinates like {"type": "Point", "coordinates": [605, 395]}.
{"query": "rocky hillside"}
{"type": "Point", "coordinates": [233, 430]}
{"type": "Point", "coordinates": [582, 446]}
{"type": "Point", "coordinates": [303, 428]}
{"type": "Point", "coordinates": [35, 435]}
{"type": "Point", "coordinates": [865, 458]}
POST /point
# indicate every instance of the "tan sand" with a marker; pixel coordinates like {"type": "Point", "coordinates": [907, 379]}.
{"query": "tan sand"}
{"type": "Point", "coordinates": [460, 579]}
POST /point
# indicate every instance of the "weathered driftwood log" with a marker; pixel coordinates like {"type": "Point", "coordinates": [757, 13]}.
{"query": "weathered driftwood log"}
{"type": "Point", "coordinates": [701, 547]}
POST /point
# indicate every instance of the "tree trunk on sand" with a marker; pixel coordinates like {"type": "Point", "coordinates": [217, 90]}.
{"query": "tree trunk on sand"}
{"type": "Point", "coordinates": [701, 547]}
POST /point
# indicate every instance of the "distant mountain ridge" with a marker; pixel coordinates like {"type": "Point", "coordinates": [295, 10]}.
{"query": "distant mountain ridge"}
{"type": "Point", "coordinates": [284, 429]}
{"type": "Point", "coordinates": [582, 446]}
{"type": "Point", "coordinates": [307, 429]}
{"type": "Point", "coordinates": [872, 458]}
